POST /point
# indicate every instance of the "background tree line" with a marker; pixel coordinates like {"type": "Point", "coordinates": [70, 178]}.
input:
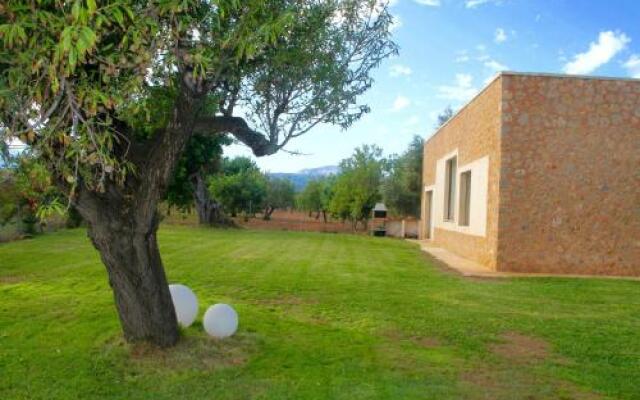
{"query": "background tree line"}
{"type": "Point", "coordinates": [219, 187]}
{"type": "Point", "coordinates": [366, 178]}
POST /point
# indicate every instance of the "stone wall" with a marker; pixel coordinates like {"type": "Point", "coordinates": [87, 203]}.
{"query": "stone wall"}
{"type": "Point", "coordinates": [570, 175]}
{"type": "Point", "coordinates": [474, 133]}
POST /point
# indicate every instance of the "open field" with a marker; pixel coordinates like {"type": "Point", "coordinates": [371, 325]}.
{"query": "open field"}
{"type": "Point", "coordinates": [321, 316]}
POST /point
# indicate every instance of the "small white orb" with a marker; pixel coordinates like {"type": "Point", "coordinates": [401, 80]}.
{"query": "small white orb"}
{"type": "Point", "coordinates": [185, 303]}
{"type": "Point", "coordinates": [220, 321]}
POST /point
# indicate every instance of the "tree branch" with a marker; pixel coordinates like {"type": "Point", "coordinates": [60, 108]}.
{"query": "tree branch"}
{"type": "Point", "coordinates": [237, 126]}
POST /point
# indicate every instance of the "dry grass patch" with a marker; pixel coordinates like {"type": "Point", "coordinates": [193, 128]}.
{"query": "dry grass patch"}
{"type": "Point", "coordinates": [193, 352]}
{"type": "Point", "coordinates": [518, 376]}
{"type": "Point", "coordinates": [507, 383]}
{"type": "Point", "coordinates": [10, 280]}
{"type": "Point", "coordinates": [521, 349]}
{"type": "Point", "coordinates": [426, 341]}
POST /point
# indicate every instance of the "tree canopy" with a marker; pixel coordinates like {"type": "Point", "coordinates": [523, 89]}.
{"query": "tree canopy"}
{"type": "Point", "coordinates": [83, 81]}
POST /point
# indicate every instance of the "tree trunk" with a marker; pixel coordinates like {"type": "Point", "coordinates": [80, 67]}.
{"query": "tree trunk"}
{"type": "Point", "coordinates": [124, 232]}
{"type": "Point", "coordinates": [209, 211]}
{"type": "Point", "coordinates": [267, 212]}
{"type": "Point", "coordinates": [122, 219]}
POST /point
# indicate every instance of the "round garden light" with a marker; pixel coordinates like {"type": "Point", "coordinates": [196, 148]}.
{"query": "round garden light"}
{"type": "Point", "coordinates": [185, 303]}
{"type": "Point", "coordinates": [220, 321]}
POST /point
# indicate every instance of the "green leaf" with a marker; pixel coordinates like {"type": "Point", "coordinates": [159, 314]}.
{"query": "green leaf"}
{"type": "Point", "coordinates": [73, 58]}
{"type": "Point", "coordinates": [86, 40]}
{"type": "Point", "coordinates": [91, 6]}
{"type": "Point", "coordinates": [75, 10]}
{"type": "Point", "coordinates": [12, 34]}
{"type": "Point", "coordinates": [117, 15]}
{"type": "Point", "coordinates": [65, 40]}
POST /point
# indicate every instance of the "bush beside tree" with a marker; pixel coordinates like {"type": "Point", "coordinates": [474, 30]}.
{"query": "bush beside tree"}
{"type": "Point", "coordinates": [240, 187]}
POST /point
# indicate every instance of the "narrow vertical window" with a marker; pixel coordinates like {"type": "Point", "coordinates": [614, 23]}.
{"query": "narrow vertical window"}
{"type": "Point", "coordinates": [450, 189]}
{"type": "Point", "coordinates": [465, 198]}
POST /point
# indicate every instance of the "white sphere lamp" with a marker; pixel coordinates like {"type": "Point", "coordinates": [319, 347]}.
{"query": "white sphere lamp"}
{"type": "Point", "coordinates": [185, 303]}
{"type": "Point", "coordinates": [220, 321]}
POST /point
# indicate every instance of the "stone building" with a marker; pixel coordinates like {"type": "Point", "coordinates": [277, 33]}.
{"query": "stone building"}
{"type": "Point", "coordinates": [539, 173]}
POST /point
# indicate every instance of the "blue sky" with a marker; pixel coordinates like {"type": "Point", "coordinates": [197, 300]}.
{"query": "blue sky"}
{"type": "Point", "coordinates": [450, 48]}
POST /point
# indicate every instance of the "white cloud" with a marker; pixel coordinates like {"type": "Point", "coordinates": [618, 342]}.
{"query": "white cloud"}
{"type": "Point", "coordinates": [431, 3]}
{"type": "Point", "coordinates": [462, 90]}
{"type": "Point", "coordinates": [476, 3]}
{"type": "Point", "coordinates": [601, 52]}
{"type": "Point", "coordinates": [399, 70]}
{"type": "Point", "coordinates": [632, 65]}
{"type": "Point", "coordinates": [481, 47]}
{"type": "Point", "coordinates": [496, 66]}
{"type": "Point", "coordinates": [400, 103]}
{"type": "Point", "coordinates": [500, 36]}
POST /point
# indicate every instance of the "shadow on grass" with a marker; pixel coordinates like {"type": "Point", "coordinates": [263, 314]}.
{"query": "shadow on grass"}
{"type": "Point", "coordinates": [194, 351]}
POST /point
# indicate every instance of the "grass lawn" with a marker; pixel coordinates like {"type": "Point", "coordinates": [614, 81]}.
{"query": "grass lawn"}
{"type": "Point", "coordinates": [322, 316]}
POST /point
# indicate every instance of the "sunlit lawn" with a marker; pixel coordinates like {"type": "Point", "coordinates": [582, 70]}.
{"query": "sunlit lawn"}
{"type": "Point", "coordinates": [322, 316]}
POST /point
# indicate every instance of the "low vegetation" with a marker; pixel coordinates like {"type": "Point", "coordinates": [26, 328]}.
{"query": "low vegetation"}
{"type": "Point", "coordinates": [321, 316]}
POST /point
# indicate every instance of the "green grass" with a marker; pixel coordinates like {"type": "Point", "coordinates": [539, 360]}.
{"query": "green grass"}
{"type": "Point", "coordinates": [322, 316]}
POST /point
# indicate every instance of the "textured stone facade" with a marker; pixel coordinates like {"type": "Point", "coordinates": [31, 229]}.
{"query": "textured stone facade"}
{"type": "Point", "coordinates": [564, 174]}
{"type": "Point", "coordinates": [570, 175]}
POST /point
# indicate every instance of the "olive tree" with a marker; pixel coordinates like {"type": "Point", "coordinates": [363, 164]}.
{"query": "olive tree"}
{"type": "Point", "coordinates": [316, 196]}
{"type": "Point", "coordinates": [240, 187]}
{"type": "Point", "coordinates": [201, 159]}
{"type": "Point", "coordinates": [280, 195]}
{"type": "Point", "coordinates": [108, 92]}
{"type": "Point", "coordinates": [357, 188]}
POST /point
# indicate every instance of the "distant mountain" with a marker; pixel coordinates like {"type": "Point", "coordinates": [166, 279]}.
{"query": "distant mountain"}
{"type": "Point", "coordinates": [321, 171]}
{"type": "Point", "coordinates": [302, 177]}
